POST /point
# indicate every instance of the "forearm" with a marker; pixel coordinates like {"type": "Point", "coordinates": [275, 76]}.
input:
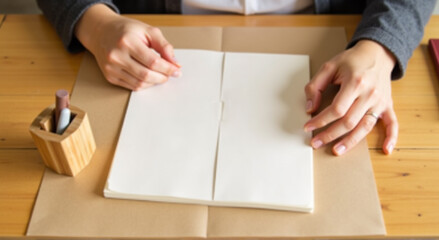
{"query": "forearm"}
{"type": "Point", "coordinates": [64, 15]}
{"type": "Point", "coordinates": [90, 24]}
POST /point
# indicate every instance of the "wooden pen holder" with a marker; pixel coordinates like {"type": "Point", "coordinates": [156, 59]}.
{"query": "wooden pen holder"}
{"type": "Point", "coordinates": [70, 152]}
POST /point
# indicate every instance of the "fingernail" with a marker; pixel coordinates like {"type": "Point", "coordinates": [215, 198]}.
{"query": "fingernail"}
{"type": "Point", "coordinates": [309, 128]}
{"type": "Point", "coordinates": [340, 149]}
{"type": "Point", "coordinates": [176, 62]}
{"type": "Point", "coordinates": [316, 144]}
{"type": "Point", "coordinates": [308, 105]}
{"type": "Point", "coordinates": [390, 148]}
{"type": "Point", "coordinates": [177, 74]}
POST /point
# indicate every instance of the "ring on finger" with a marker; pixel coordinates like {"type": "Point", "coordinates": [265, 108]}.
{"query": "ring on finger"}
{"type": "Point", "coordinates": [373, 114]}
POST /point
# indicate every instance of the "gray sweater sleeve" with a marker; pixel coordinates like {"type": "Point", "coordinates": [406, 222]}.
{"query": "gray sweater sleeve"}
{"type": "Point", "coordinates": [398, 25]}
{"type": "Point", "coordinates": [63, 15]}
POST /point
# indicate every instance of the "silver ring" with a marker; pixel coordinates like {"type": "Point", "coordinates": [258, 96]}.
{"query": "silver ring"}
{"type": "Point", "coordinates": [373, 114]}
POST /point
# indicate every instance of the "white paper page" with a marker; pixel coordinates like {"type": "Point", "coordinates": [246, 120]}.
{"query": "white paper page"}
{"type": "Point", "coordinates": [264, 158]}
{"type": "Point", "coordinates": [168, 141]}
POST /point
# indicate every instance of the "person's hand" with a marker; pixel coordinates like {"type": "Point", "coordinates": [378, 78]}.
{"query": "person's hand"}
{"type": "Point", "coordinates": [364, 75]}
{"type": "Point", "coordinates": [130, 53]}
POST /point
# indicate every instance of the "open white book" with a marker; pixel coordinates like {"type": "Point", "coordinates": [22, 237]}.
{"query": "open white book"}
{"type": "Point", "coordinates": [229, 132]}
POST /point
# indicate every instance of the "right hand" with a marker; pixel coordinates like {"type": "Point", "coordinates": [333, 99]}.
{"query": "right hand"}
{"type": "Point", "coordinates": [126, 49]}
{"type": "Point", "coordinates": [364, 75]}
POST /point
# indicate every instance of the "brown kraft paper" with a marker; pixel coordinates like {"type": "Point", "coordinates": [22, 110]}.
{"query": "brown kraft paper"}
{"type": "Point", "coordinates": [346, 199]}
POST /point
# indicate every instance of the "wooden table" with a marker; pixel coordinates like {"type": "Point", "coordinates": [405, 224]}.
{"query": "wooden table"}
{"type": "Point", "coordinates": [33, 64]}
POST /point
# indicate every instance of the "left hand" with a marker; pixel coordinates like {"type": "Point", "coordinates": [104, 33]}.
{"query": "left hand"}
{"type": "Point", "coordinates": [364, 75]}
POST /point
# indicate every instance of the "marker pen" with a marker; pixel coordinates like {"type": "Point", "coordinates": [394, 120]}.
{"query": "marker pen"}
{"type": "Point", "coordinates": [64, 120]}
{"type": "Point", "coordinates": [61, 102]}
